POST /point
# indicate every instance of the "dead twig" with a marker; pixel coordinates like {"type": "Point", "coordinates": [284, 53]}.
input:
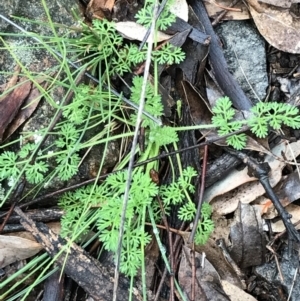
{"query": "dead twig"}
{"type": "Point", "coordinates": [200, 200]}
{"type": "Point", "coordinates": [224, 78]}
{"type": "Point", "coordinates": [223, 13]}
{"type": "Point", "coordinates": [227, 8]}
{"type": "Point", "coordinates": [260, 171]}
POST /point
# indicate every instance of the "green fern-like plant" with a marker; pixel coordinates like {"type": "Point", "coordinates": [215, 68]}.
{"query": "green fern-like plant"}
{"type": "Point", "coordinates": [264, 116]}
{"type": "Point", "coordinates": [105, 201]}
{"type": "Point", "coordinates": [101, 205]}
{"type": "Point", "coordinates": [102, 43]}
{"type": "Point", "coordinates": [166, 18]}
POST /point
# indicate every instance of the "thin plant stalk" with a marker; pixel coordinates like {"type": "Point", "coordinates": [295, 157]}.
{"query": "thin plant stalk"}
{"type": "Point", "coordinates": [133, 150]}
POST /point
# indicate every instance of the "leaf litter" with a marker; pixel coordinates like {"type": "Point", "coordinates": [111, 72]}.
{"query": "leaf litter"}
{"type": "Point", "coordinates": [14, 248]}
{"type": "Point", "coordinates": [252, 189]}
{"type": "Point", "coordinates": [278, 26]}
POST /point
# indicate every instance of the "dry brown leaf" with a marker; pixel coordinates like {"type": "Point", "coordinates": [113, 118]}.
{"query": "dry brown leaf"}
{"type": "Point", "coordinates": [54, 226]}
{"type": "Point", "coordinates": [13, 80]}
{"type": "Point", "coordinates": [207, 281]}
{"type": "Point", "coordinates": [100, 9]}
{"type": "Point", "coordinates": [287, 190]}
{"type": "Point", "coordinates": [235, 293]}
{"type": "Point", "coordinates": [280, 3]}
{"type": "Point", "coordinates": [251, 144]}
{"type": "Point", "coordinates": [134, 31]}
{"type": "Point", "coordinates": [11, 103]}
{"type": "Point", "coordinates": [250, 191]}
{"type": "Point", "coordinates": [215, 257]}
{"type": "Point", "coordinates": [278, 27]}
{"type": "Point", "coordinates": [292, 209]}
{"type": "Point", "coordinates": [14, 248]}
{"type": "Point", "coordinates": [246, 193]}
{"type": "Point", "coordinates": [247, 237]}
{"type": "Point", "coordinates": [213, 10]}
{"type": "Point", "coordinates": [151, 258]}
{"type": "Point", "coordinates": [185, 277]}
{"type": "Point", "coordinates": [27, 110]}
{"type": "Point", "coordinates": [21, 245]}
{"type": "Point", "coordinates": [233, 180]}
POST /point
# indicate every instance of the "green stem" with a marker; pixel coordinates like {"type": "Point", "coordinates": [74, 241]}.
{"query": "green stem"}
{"type": "Point", "coordinates": [205, 126]}
{"type": "Point", "coordinates": [163, 251]}
{"type": "Point", "coordinates": [143, 246]}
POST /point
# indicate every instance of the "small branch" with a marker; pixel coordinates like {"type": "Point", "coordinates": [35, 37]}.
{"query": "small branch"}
{"type": "Point", "coordinates": [200, 200]}
{"type": "Point", "coordinates": [223, 13]}
{"type": "Point", "coordinates": [227, 8]}
{"type": "Point", "coordinates": [260, 171]}
{"type": "Point", "coordinates": [224, 78]}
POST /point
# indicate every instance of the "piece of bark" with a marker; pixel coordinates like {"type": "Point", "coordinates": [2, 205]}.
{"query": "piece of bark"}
{"type": "Point", "coordinates": [220, 167]}
{"type": "Point", "coordinates": [88, 272]}
{"type": "Point", "coordinates": [180, 25]}
{"type": "Point", "coordinates": [224, 78]}
{"type": "Point", "coordinates": [53, 287]}
{"type": "Point", "coordinates": [38, 215]}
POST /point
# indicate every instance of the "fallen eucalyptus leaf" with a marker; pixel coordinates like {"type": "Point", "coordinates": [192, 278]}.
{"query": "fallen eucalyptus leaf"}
{"type": "Point", "coordinates": [11, 103]}
{"type": "Point", "coordinates": [100, 9]}
{"type": "Point", "coordinates": [213, 10]}
{"type": "Point", "coordinates": [287, 190]}
{"type": "Point", "coordinates": [28, 107]}
{"type": "Point", "coordinates": [214, 254]}
{"type": "Point", "coordinates": [278, 27]}
{"type": "Point", "coordinates": [235, 293]}
{"type": "Point", "coordinates": [207, 284]}
{"type": "Point", "coordinates": [134, 31]}
{"type": "Point", "coordinates": [280, 3]}
{"type": "Point", "coordinates": [14, 248]}
{"type": "Point", "coordinates": [247, 237]}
